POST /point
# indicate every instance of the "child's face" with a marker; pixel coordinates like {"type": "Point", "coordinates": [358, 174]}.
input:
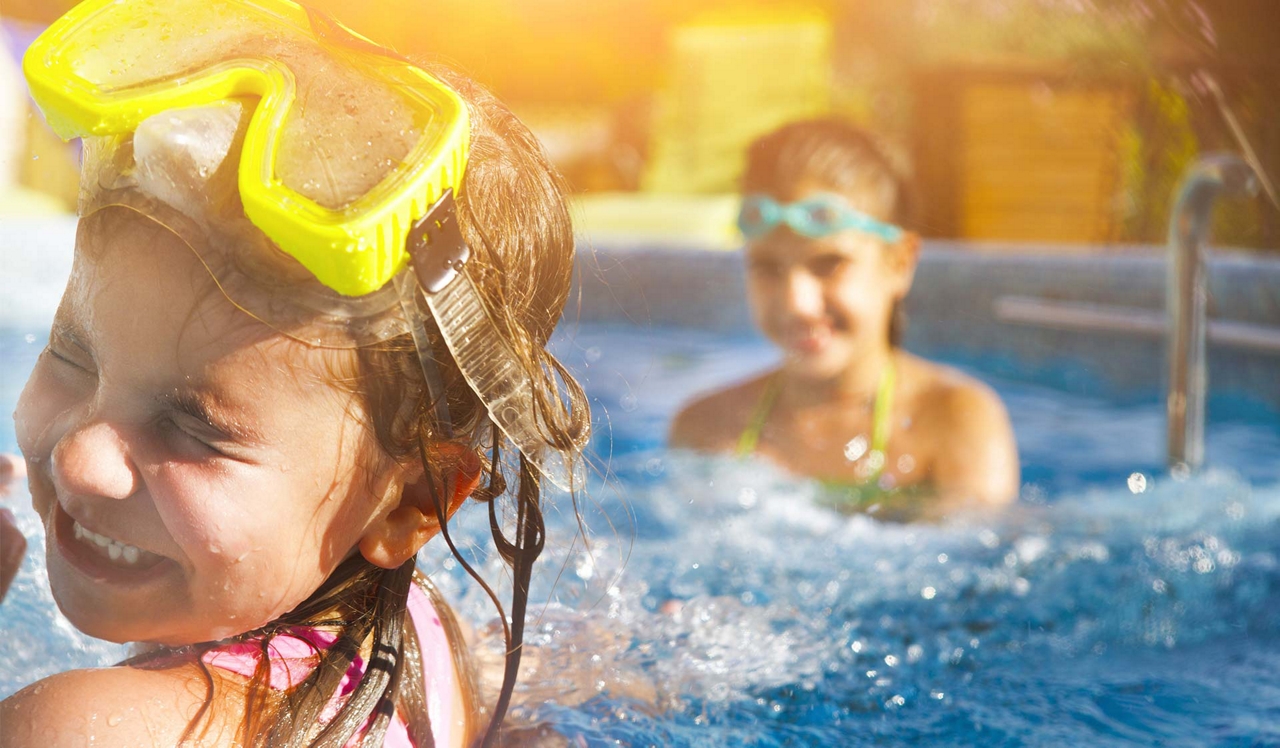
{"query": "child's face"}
{"type": "Point", "coordinates": [826, 301]}
{"type": "Point", "coordinates": [197, 475]}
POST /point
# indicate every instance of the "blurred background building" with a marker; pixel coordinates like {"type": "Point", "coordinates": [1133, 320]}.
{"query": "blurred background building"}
{"type": "Point", "coordinates": [1051, 121]}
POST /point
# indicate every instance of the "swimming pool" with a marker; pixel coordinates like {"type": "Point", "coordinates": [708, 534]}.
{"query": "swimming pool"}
{"type": "Point", "coordinates": [1114, 605]}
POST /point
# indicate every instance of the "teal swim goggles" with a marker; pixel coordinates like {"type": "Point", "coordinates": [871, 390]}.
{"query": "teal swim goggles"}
{"type": "Point", "coordinates": [816, 217]}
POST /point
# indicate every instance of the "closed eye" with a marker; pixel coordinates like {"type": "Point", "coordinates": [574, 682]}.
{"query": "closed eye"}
{"type": "Point", "coordinates": [67, 346]}
{"type": "Point", "coordinates": [202, 435]}
{"type": "Point", "coordinates": [200, 420]}
{"type": "Point", "coordinates": [67, 360]}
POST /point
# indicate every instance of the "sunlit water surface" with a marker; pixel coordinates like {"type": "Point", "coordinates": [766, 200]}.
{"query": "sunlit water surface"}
{"type": "Point", "coordinates": [1114, 605]}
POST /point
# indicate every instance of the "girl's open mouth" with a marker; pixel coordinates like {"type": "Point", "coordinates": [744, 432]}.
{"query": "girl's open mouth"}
{"type": "Point", "coordinates": [103, 557]}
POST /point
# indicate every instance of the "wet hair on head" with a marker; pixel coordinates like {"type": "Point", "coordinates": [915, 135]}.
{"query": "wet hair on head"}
{"type": "Point", "coordinates": [843, 156]}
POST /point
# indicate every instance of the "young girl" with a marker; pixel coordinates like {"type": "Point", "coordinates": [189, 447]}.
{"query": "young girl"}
{"type": "Point", "coordinates": [296, 338]}
{"type": "Point", "coordinates": [828, 264]}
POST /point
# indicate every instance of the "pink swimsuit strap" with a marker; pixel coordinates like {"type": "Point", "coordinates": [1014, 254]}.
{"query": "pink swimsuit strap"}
{"type": "Point", "coordinates": [293, 656]}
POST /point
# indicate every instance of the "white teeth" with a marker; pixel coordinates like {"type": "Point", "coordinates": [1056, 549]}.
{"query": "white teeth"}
{"type": "Point", "coordinates": [115, 550]}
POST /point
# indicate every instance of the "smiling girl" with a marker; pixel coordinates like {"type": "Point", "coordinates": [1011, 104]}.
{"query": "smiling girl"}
{"type": "Point", "coordinates": [295, 339]}
{"type": "Point", "coordinates": [829, 261]}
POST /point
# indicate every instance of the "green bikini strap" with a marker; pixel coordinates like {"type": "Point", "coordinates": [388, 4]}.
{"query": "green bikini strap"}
{"type": "Point", "coordinates": [881, 417]}
{"type": "Point", "coordinates": [750, 438]}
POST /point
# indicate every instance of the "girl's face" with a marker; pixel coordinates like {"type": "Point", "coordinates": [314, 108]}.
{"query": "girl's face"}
{"type": "Point", "coordinates": [196, 474]}
{"type": "Point", "coordinates": [826, 301]}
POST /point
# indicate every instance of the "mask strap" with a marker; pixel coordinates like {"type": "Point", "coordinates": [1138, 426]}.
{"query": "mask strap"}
{"type": "Point", "coordinates": [485, 359]}
{"type": "Point", "coordinates": [437, 252]}
{"type": "Point", "coordinates": [407, 286]}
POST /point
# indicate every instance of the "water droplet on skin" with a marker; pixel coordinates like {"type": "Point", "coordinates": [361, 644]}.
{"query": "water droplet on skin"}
{"type": "Point", "coordinates": [855, 448]}
{"type": "Point", "coordinates": [114, 720]}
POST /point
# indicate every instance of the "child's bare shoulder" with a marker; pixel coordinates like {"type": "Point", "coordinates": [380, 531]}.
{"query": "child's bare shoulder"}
{"type": "Point", "coordinates": [949, 397]}
{"type": "Point", "coordinates": [109, 706]}
{"type": "Point", "coordinates": [714, 421]}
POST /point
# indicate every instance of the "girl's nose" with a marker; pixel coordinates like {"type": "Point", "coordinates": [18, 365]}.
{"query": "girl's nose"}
{"type": "Point", "coordinates": [803, 295]}
{"type": "Point", "coordinates": [92, 460]}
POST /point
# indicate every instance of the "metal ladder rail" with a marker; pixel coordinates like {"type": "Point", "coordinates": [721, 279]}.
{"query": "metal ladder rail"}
{"type": "Point", "coordinates": [1186, 293]}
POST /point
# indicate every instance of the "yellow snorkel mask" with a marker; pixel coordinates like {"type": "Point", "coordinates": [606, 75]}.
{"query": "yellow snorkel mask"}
{"type": "Point", "coordinates": [349, 158]}
{"type": "Point", "coordinates": [82, 75]}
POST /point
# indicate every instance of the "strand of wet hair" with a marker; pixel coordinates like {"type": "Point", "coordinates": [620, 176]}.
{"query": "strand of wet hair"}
{"type": "Point", "coordinates": [411, 702]}
{"type": "Point", "coordinates": [528, 546]}
{"type": "Point", "coordinates": [375, 696]}
{"type": "Point", "coordinates": [495, 488]}
{"type": "Point", "coordinates": [380, 619]}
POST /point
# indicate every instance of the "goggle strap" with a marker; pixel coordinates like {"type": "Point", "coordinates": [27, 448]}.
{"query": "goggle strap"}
{"type": "Point", "coordinates": [436, 247]}
{"type": "Point", "coordinates": [492, 370]}
{"type": "Point", "coordinates": [409, 290]}
{"type": "Point", "coordinates": [772, 213]}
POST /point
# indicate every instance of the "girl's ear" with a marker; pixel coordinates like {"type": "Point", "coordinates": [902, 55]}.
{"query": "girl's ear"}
{"type": "Point", "coordinates": [901, 260]}
{"type": "Point", "coordinates": [396, 537]}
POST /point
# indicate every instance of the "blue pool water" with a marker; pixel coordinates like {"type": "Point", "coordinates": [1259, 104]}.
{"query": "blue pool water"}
{"type": "Point", "coordinates": [1103, 609]}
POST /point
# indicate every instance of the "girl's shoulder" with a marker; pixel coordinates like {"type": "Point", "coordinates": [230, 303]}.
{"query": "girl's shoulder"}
{"type": "Point", "coordinates": [944, 395]}
{"type": "Point", "coordinates": [714, 421]}
{"type": "Point", "coordinates": [119, 705]}
{"type": "Point", "coordinates": [963, 432]}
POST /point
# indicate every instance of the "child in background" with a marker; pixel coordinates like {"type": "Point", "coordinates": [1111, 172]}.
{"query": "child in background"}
{"type": "Point", "coordinates": [296, 338]}
{"type": "Point", "coordinates": [828, 265]}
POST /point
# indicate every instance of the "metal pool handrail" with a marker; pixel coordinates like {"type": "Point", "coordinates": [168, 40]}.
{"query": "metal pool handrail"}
{"type": "Point", "coordinates": [1186, 292]}
{"type": "Point", "coordinates": [1088, 316]}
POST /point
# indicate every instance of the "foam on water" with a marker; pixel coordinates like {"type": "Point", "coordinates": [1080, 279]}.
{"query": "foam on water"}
{"type": "Point", "coordinates": [1099, 618]}
{"type": "Point", "coordinates": [1090, 613]}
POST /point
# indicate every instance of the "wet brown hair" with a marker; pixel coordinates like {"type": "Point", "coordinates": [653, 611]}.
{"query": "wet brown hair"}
{"type": "Point", "coordinates": [843, 156]}
{"type": "Point", "coordinates": [513, 214]}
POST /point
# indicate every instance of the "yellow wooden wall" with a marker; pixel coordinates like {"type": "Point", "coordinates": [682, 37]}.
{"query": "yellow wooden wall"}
{"type": "Point", "coordinates": [1021, 157]}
